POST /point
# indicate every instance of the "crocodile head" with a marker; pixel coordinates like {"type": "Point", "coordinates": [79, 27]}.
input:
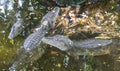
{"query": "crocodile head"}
{"type": "Point", "coordinates": [59, 41]}
{"type": "Point", "coordinates": [16, 29]}
{"type": "Point", "coordinates": [51, 17]}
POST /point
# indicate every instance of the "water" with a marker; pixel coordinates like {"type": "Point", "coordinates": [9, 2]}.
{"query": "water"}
{"type": "Point", "coordinates": [7, 49]}
{"type": "Point", "coordinates": [53, 59]}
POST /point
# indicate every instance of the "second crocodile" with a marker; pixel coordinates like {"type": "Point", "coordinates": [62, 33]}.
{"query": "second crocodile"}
{"type": "Point", "coordinates": [47, 22]}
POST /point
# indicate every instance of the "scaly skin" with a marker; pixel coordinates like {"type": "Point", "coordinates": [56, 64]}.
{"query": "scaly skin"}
{"type": "Point", "coordinates": [47, 22]}
{"type": "Point", "coordinates": [59, 41]}
{"type": "Point", "coordinates": [30, 50]}
{"type": "Point", "coordinates": [92, 46]}
{"type": "Point", "coordinates": [16, 29]}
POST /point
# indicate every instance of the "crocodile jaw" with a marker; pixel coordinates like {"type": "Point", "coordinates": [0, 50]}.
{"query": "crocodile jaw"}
{"type": "Point", "coordinates": [59, 41]}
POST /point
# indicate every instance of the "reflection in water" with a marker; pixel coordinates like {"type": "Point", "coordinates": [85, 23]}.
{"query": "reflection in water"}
{"type": "Point", "coordinates": [23, 57]}
{"type": "Point", "coordinates": [52, 59]}
{"type": "Point", "coordinates": [20, 3]}
{"type": "Point", "coordinates": [57, 62]}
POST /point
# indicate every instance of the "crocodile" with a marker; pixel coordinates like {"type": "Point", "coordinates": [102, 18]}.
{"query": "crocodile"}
{"type": "Point", "coordinates": [30, 51]}
{"type": "Point", "coordinates": [16, 29]}
{"type": "Point", "coordinates": [47, 23]}
{"type": "Point", "coordinates": [89, 46]}
{"type": "Point", "coordinates": [69, 12]}
{"type": "Point", "coordinates": [92, 46]}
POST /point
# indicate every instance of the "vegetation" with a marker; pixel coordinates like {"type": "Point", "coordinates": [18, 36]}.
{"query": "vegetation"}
{"type": "Point", "coordinates": [79, 19]}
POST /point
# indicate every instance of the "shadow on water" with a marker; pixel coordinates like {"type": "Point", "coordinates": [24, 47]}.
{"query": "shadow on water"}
{"type": "Point", "coordinates": [55, 60]}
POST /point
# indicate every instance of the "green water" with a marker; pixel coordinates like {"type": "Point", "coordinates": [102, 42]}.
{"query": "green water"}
{"type": "Point", "coordinates": [7, 49]}
{"type": "Point", "coordinates": [58, 61]}
{"type": "Point", "coordinates": [53, 59]}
